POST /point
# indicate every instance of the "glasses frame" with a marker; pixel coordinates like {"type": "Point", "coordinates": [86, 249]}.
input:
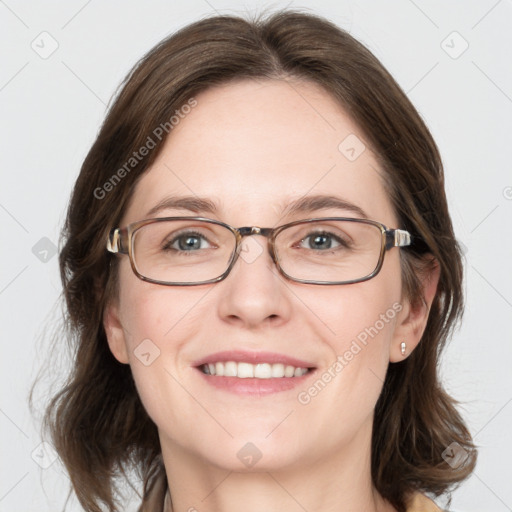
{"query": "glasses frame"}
{"type": "Point", "coordinates": [120, 241]}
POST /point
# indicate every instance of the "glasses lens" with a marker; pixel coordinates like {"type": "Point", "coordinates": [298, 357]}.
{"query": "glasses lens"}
{"type": "Point", "coordinates": [182, 251]}
{"type": "Point", "coordinates": [329, 251]}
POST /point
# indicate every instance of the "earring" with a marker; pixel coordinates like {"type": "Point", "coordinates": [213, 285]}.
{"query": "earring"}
{"type": "Point", "coordinates": [402, 348]}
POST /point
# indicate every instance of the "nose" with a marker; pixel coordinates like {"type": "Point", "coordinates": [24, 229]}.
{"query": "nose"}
{"type": "Point", "coordinates": [254, 294]}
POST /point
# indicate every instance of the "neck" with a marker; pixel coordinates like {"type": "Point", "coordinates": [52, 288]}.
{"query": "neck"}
{"type": "Point", "coordinates": [340, 482]}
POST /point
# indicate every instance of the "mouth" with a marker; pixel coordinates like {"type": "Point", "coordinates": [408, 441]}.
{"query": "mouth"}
{"type": "Point", "coordinates": [253, 373]}
{"type": "Point", "coordinates": [244, 370]}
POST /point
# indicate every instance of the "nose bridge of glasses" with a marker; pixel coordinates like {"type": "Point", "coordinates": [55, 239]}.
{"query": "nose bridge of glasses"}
{"type": "Point", "coordinates": [256, 230]}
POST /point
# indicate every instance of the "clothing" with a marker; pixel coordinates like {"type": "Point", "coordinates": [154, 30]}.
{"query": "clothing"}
{"type": "Point", "coordinates": [157, 499]}
{"type": "Point", "coordinates": [421, 503]}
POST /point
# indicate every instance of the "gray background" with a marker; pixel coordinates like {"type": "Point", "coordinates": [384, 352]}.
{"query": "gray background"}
{"type": "Point", "coordinates": [51, 107]}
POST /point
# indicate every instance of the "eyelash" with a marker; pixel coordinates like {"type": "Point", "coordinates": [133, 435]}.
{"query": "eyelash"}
{"type": "Point", "coordinates": [167, 246]}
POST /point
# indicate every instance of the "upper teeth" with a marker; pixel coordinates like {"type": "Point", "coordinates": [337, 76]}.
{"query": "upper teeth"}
{"type": "Point", "coordinates": [248, 370]}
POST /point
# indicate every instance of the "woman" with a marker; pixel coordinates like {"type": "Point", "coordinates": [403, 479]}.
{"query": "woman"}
{"type": "Point", "coordinates": [260, 272]}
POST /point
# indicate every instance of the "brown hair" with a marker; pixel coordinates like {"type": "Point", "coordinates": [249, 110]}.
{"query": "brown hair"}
{"type": "Point", "coordinates": [97, 422]}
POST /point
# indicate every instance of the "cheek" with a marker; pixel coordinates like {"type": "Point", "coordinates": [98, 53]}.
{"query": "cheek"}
{"type": "Point", "coordinates": [157, 331]}
{"type": "Point", "coordinates": [158, 321]}
{"type": "Point", "coordinates": [370, 319]}
{"type": "Point", "coordinates": [363, 312]}
{"type": "Point", "coordinates": [155, 312]}
{"type": "Point", "coordinates": [361, 320]}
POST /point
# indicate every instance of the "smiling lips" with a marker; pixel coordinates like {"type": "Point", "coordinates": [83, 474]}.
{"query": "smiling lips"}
{"type": "Point", "coordinates": [252, 365]}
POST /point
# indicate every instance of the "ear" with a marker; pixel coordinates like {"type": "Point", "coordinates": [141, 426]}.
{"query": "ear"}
{"type": "Point", "coordinates": [412, 320]}
{"type": "Point", "coordinates": [115, 333]}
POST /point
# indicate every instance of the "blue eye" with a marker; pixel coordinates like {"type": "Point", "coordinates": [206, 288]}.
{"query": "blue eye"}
{"type": "Point", "coordinates": [322, 241]}
{"type": "Point", "coordinates": [189, 241]}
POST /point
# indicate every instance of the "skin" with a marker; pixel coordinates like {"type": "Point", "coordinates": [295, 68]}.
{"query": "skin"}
{"type": "Point", "coordinates": [253, 147]}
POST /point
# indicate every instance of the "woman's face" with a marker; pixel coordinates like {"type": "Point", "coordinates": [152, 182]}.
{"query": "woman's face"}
{"type": "Point", "coordinates": [252, 148]}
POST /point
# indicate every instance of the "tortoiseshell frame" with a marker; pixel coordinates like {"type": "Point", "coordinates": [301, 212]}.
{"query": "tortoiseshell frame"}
{"type": "Point", "coordinates": [120, 240]}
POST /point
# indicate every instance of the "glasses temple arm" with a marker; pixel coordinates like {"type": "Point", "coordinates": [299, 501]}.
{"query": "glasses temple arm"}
{"type": "Point", "coordinates": [116, 241]}
{"type": "Point", "coordinates": [397, 238]}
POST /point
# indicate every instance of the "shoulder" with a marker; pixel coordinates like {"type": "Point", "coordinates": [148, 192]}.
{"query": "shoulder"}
{"type": "Point", "coordinates": [420, 503]}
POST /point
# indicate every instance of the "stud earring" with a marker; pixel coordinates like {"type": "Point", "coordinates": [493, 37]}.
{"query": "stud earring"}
{"type": "Point", "coordinates": [402, 348]}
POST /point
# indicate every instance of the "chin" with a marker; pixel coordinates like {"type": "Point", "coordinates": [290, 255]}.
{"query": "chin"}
{"type": "Point", "coordinates": [253, 458]}
{"type": "Point", "coordinates": [248, 453]}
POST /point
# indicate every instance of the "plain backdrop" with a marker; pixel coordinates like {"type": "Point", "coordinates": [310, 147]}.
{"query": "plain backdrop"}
{"type": "Point", "coordinates": [60, 64]}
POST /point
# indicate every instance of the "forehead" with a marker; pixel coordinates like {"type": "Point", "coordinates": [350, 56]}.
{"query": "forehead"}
{"type": "Point", "coordinates": [252, 147]}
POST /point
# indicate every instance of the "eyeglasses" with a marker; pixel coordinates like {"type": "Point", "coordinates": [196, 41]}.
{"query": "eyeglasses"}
{"type": "Point", "coordinates": [182, 251]}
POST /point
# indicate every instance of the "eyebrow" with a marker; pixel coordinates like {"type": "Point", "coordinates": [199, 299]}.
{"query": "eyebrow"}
{"type": "Point", "coordinates": [193, 204]}
{"type": "Point", "coordinates": [313, 203]}
{"type": "Point", "coordinates": [306, 204]}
